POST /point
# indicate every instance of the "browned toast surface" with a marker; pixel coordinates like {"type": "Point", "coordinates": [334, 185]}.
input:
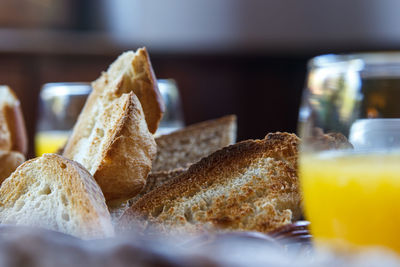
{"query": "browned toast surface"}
{"type": "Point", "coordinates": [181, 148]}
{"type": "Point", "coordinates": [251, 185]}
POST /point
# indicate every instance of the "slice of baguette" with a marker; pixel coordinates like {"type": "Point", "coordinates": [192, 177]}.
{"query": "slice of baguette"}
{"type": "Point", "coordinates": [188, 145]}
{"type": "Point", "coordinates": [132, 72]}
{"type": "Point", "coordinates": [58, 194]}
{"type": "Point", "coordinates": [12, 126]}
{"type": "Point", "coordinates": [114, 144]}
{"type": "Point", "coordinates": [249, 186]}
{"type": "Point", "coordinates": [9, 161]}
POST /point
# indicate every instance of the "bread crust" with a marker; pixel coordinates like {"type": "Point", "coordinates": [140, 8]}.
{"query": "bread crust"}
{"type": "Point", "coordinates": [148, 93]}
{"type": "Point", "coordinates": [9, 161]}
{"type": "Point", "coordinates": [5, 134]}
{"type": "Point", "coordinates": [13, 136]}
{"type": "Point", "coordinates": [86, 201]}
{"type": "Point", "coordinates": [216, 169]}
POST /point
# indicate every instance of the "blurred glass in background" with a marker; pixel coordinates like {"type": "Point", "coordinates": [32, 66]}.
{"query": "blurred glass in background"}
{"type": "Point", "coordinates": [59, 107]}
{"type": "Point", "coordinates": [351, 190]}
{"type": "Point", "coordinates": [173, 116]}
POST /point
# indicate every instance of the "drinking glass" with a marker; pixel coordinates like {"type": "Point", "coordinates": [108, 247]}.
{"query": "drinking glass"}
{"type": "Point", "coordinates": [349, 163]}
{"type": "Point", "coordinates": [59, 108]}
{"type": "Point", "coordinates": [172, 119]}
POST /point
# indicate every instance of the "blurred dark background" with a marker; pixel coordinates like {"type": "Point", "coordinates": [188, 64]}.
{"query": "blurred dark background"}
{"type": "Point", "coordinates": [246, 57]}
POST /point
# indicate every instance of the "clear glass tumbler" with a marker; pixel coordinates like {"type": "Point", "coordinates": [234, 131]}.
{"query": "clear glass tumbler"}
{"type": "Point", "coordinates": [350, 153]}
{"type": "Point", "coordinates": [173, 116]}
{"type": "Point", "coordinates": [59, 108]}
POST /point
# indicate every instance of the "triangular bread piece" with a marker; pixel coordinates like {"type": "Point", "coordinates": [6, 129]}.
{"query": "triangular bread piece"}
{"type": "Point", "coordinates": [132, 72]}
{"type": "Point", "coordinates": [249, 186]}
{"type": "Point", "coordinates": [181, 148]}
{"type": "Point", "coordinates": [113, 143]}
{"type": "Point", "coordinates": [9, 161]}
{"type": "Point", "coordinates": [12, 126]}
{"type": "Point", "coordinates": [58, 194]}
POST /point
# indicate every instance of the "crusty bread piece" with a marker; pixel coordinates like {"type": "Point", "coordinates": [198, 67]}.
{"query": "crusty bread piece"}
{"type": "Point", "coordinates": [132, 72]}
{"type": "Point", "coordinates": [9, 161]}
{"type": "Point", "coordinates": [113, 143]}
{"type": "Point", "coordinates": [58, 194]}
{"type": "Point", "coordinates": [188, 145]}
{"type": "Point", "coordinates": [12, 126]}
{"type": "Point", "coordinates": [249, 186]}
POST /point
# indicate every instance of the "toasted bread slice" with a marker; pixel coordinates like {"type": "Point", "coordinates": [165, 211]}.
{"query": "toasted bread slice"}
{"type": "Point", "coordinates": [154, 180]}
{"type": "Point", "coordinates": [249, 186]}
{"type": "Point", "coordinates": [188, 145]}
{"type": "Point", "coordinates": [9, 161]}
{"type": "Point", "coordinates": [114, 145]}
{"type": "Point", "coordinates": [58, 194]}
{"type": "Point", "coordinates": [132, 72]}
{"type": "Point", "coordinates": [12, 126]}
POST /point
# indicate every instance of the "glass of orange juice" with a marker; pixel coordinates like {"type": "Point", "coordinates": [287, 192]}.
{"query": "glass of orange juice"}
{"type": "Point", "coordinates": [349, 122]}
{"type": "Point", "coordinates": [59, 107]}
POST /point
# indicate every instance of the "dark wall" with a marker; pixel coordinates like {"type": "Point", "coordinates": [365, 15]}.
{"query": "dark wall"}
{"type": "Point", "coordinates": [264, 92]}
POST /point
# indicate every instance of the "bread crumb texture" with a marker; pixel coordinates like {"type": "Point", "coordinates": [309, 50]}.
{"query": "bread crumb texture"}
{"type": "Point", "coordinates": [58, 194]}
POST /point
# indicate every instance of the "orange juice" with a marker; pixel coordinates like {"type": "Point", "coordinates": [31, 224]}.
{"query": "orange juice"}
{"type": "Point", "coordinates": [50, 141]}
{"type": "Point", "coordinates": [353, 197]}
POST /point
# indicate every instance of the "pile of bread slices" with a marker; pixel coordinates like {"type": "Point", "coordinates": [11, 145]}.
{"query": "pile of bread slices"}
{"type": "Point", "coordinates": [114, 175]}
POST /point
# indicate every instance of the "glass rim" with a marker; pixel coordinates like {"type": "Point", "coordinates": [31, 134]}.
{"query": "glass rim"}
{"type": "Point", "coordinates": [65, 88]}
{"type": "Point", "coordinates": [167, 81]}
{"type": "Point", "coordinates": [363, 59]}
